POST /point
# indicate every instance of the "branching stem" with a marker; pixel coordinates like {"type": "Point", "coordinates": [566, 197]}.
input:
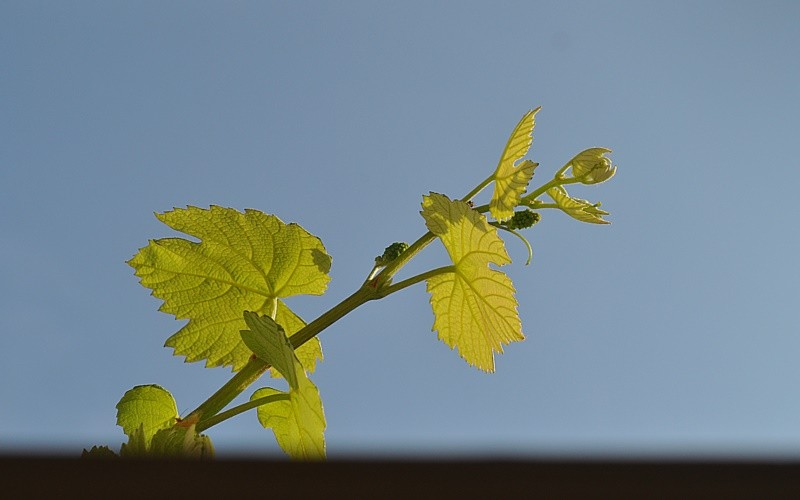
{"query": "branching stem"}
{"type": "Point", "coordinates": [396, 287]}
{"type": "Point", "coordinates": [225, 415]}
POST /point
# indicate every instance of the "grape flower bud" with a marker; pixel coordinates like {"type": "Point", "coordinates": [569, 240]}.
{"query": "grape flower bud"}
{"type": "Point", "coordinates": [523, 219]}
{"type": "Point", "coordinates": [391, 252]}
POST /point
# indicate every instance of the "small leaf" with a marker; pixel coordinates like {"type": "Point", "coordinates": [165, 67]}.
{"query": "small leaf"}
{"type": "Point", "coordinates": [299, 422]}
{"type": "Point", "coordinates": [511, 180]}
{"type": "Point", "coordinates": [474, 307]}
{"type": "Point", "coordinates": [136, 445]}
{"type": "Point", "coordinates": [180, 442]}
{"type": "Point", "coordinates": [308, 353]}
{"type": "Point", "coordinates": [268, 341]}
{"type": "Point", "coordinates": [146, 408]}
{"type": "Point", "coordinates": [244, 262]}
{"type": "Point", "coordinates": [592, 167]}
{"type": "Point", "coordinates": [577, 208]}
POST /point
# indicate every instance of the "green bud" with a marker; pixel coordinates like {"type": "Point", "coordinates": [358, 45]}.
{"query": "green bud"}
{"type": "Point", "coordinates": [592, 167]}
{"type": "Point", "coordinates": [523, 219]}
{"type": "Point", "coordinates": [391, 252]}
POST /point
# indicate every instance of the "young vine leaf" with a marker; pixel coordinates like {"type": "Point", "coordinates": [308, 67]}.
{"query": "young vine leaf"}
{"type": "Point", "coordinates": [511, 180]}
{"type": "Point", "coordinates": [474, 306]}
{"type": "Point", "coordinates": [146, 409]}
{"type": "Point", "coordinates": [181, 442]}
{"type": "Point", "coordinates": [592, 166]}
{"type": "Point", "coordinates": [298, 421]}
{"type": "Point", "coordinates": [244, 262]}
{"type": "Point", "coordinates": [577, 208]}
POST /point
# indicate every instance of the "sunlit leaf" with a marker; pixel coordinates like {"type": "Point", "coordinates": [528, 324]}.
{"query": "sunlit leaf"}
{"type": "Point", "coordinates": [147, 408]}
{"type": "Point", "coordinates": [268, 341]}
{"type": "Point", "coordinates": [511, 179]}
{"type": "Point", "coordinates": [308, 353]}
{"type": "Point", "coordinates": [299, 421]}
{"type": "Point", "coordinates": [244, 262]}
{"type": "Point", "coordinates": [136, 445]}
{"type": "Point", "coordinates": [474, 307]}
{"type": "Point", "coordinates": [592, 166]}
{"type": "Point", "coordinates": [180, 442]}
{"type": "Point", "coordinates": [577, 208]}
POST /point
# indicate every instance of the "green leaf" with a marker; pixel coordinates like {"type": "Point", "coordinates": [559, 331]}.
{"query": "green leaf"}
{"type": "Point", "coordinates": [181, 442]}
{"type": "Point", "coordinates": [136, 445]}
{"type": "Point", "coordinates": [511, 180]}
{"type": "Point", "coordinates": [268, 341]}
{"type": "Point", "coordinates": [299, 422]}
{"type": "Point", "coordinates": [148, 409]}
{"type": "Point", "coordinates": [244, 262]}
{"type": "Point", "coordinates": [577, 208]}
{"type": "Point", "coordinates": [172, 442]}
{"type": "Point", "coordinates": [474, 307]}
{"type": "Point", "coordinates": [592, 167]}
{"type": "Point", "coordinates": [308, 353]}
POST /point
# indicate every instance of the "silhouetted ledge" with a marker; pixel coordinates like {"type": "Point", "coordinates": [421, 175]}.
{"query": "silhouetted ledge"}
{"type": "Point", "coordinates": [41, 477]}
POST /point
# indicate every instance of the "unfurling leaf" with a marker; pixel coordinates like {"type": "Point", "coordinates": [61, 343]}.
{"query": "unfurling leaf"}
{"type": "Point", "coordinates": [474, 306]}
{"type": "Point", "coordinates": [308, 353]}
{"type": "Point", "coordinates": [136, 445]}
{"type": "Point", "coordinates": [592, 166]}
{"type": "Point", "coordinates": [268, 341]}
{"type": "Point", "coordinates": [181, 442]}
{"type": "Point", "coordinates": [577, 208]}
{"type": "Point", "coordinates": [146, 409]}
{"type": "Point", "coordinates": [296, 419]}
{"type": "Point", "coordinates": [511, 180]}
{"type": "Point", "coordinates": [174, 442]}
{"type": "Point", "coordinates": [244, 262]}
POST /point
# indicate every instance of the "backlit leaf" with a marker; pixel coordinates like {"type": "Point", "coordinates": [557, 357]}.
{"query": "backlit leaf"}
{"type": "Point", "coordinates": [148, 408]}
{"type": "Point", "coordinates": [299, 421]}
{"type": "Point", "coordinates": [244, 262]}
{"type": "Point", "coordinates": [268, 341]}
{"type": "Point", "coordinates": [577, 208]}
{"type": "Point", "coordinates": [511, 179]}
{"type": "Point", "coordinates": [474, 307]}
{"type": "Point", "coordinates": [308, 353]}
{"type": "Point", "coordinates": [180, 442]}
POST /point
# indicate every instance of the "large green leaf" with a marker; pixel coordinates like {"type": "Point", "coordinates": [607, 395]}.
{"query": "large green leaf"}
{"type": "Point", "coordinates": [244, 262]}
{"type": "Point", "coordinates": [474, 307]}
{"type": "Point", "coordinates": [298, 421]}
{"type": "Point", "coordinates": [147, 409]}
{"type": "Point", "coordinates": [511, 179]}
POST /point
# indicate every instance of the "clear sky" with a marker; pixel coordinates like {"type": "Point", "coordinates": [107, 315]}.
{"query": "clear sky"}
{"type": "Point", "coordinates": [672, 331]}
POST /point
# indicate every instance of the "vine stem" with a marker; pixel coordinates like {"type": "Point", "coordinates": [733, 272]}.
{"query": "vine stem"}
{"type": "Point", "coordinates": [225, 415]}
{"type": "Point", "coordinates": [396, 287]}
{"type": "Point", "coordinates": [478, 188]}
{"type": "Point", "coordinates": [377, 287]}
{"type": "Point", "coordinates": [256, 367]}
{"type": "Point", "coordinates": [251, 371]}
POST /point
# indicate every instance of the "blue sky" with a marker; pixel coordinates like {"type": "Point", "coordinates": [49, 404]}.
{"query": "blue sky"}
{"type": "Point", "coordinates": [671, 332]}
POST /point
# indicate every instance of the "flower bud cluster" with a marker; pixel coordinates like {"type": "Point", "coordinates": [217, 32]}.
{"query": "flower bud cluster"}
{"type": "Point", "coordinates": [522, 219]}
{"type": "Point", "coordinates": [391, 252]}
